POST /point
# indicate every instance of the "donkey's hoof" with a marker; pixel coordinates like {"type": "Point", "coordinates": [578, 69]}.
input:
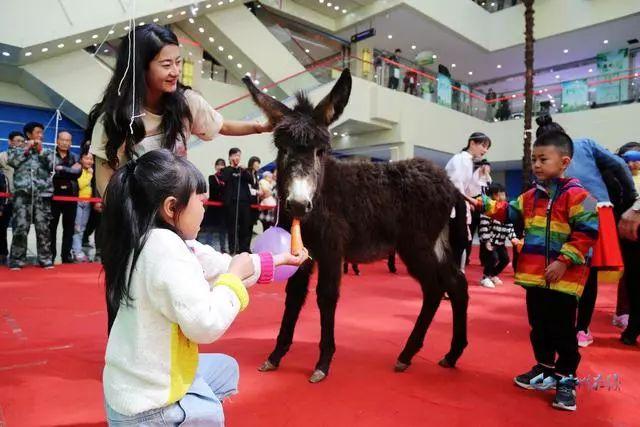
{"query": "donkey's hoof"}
{"type": "Point", "coordinates": [267, 366]}
{"type": "Point", "coordinates": [446, 364]}
{"type": "Point", "coordinates": [317, 376]}
{"type": "Point", "coordinates": [401, 366]}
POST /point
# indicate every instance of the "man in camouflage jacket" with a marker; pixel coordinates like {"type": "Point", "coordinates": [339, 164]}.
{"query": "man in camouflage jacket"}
{"type": "Point", "coordinates": [33, 190]}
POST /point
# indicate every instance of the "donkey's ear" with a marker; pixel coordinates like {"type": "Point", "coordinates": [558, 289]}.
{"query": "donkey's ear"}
{"type": "Point", "coordinates": [274, 109]}
{"type": "Point", "coordinates": [332, 106]}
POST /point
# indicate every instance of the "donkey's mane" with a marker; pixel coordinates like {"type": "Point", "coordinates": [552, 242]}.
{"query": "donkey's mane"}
{"type": "Point", "coordinates": [301, 127]}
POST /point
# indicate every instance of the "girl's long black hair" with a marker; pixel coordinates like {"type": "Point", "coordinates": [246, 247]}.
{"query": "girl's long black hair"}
{"type": "Point", "coordinates": [132, 199]}
{"type": "Point", "coordinates": [116, 108]}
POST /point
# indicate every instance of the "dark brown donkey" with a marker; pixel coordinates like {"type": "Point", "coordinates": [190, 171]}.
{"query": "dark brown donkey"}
{"type": "Point", "coordinates": [360, 212]}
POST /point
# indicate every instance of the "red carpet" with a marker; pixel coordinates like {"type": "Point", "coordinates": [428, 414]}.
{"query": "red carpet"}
{"type": "Point", "coordinates": [52, 338]}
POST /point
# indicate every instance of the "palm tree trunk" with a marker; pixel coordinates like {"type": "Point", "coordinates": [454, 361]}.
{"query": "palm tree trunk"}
{"type": "Point", "coordinates": [528, 90]}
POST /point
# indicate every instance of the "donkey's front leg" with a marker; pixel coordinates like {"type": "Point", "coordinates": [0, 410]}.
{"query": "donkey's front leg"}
{"type": "Point", "coordinates": [327, 296]}
{"type": "Point", "coordinates": [297, 289]}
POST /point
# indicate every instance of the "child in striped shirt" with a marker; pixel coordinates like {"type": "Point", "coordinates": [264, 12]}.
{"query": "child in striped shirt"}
{"type": "Point", "coordinates": [493, 234]}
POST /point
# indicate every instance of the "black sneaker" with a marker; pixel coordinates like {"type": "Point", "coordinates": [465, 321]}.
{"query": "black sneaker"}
{"type": "Point", "coordinates": [566, 394]}
{"type": "Point", "coordinates": [47, 265]}
{"type": "Point", "coordinates": [538, 378]}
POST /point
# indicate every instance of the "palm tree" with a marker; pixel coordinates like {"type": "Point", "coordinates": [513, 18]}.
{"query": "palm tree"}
{"type": "Point", "coordinates": [528, 90]}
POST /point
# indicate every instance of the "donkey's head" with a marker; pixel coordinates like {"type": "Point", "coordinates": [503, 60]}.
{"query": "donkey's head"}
{"type": "Point", "coordinates": [302, 138]}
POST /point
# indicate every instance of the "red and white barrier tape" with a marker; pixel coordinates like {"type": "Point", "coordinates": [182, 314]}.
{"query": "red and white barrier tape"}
{"type": "Point", "coordinates": [99, 200]}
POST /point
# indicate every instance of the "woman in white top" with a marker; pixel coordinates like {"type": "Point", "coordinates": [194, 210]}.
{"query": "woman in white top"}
{"type": "Point", "coordinates": [460, 169]}
{"type": "Point", "coordinates": [166, 112]}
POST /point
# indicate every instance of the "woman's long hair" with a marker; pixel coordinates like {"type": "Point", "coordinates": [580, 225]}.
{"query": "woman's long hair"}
{"type": "Point", "coordinates": [133, 197]}
{"type": "Point", "coordinates": [116, 107]}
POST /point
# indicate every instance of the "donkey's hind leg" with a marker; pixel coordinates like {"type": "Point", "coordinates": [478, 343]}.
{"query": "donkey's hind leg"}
{"type": "Point", "coordinates": [419, 262]}
{"type": "Point", "coordinates": [459, 295]}
{"type": "Point", "coordinates": [297, 289]}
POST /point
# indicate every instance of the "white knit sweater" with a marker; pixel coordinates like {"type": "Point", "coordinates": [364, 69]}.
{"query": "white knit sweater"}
{"type": "Point", "coordinates": [152, 352]}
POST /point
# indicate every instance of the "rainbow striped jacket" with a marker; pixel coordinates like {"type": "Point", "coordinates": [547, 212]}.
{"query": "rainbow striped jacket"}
{"type": "Point", "coordinates": [560, 223]}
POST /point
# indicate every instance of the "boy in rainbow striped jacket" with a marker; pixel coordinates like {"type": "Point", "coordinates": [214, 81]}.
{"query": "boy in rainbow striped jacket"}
{"type": "Point", "coordinates": [561, 227]}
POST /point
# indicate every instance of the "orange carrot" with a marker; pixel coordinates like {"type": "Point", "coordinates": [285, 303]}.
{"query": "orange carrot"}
{"type": "Point", "coordinates": [296, 237]}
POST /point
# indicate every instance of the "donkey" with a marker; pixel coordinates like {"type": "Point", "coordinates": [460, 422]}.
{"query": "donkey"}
{"type": "Point", "coordinates": [360, 212]}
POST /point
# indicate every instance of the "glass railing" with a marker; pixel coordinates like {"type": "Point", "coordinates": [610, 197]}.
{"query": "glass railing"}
{"type": "Point", "coordinates": [598, 91]}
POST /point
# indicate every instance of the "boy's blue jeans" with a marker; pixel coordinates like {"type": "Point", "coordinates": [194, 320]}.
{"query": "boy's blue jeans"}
{"type": "Point", "coordinates": [216, 378]}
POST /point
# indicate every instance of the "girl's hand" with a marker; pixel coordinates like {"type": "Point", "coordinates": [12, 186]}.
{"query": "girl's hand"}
{"type": "Point", "coordinates": [241, 266]}
{"type": "Point", "coordinates": [515, 242]}
{"type": "Point", "coordinates": [555, 271]}
{"type": "Point", "coordinates": [286, 258]}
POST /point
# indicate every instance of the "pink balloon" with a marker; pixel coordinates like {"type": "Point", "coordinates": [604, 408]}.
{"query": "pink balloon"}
{"type": "Point", "coordinates": [275, 240]}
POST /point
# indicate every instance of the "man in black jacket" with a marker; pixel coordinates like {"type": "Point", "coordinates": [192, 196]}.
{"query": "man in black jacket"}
{"type": "Point", "coordinates": [237, 203]}
{"type": "Point", "coordinates": [65, 183]}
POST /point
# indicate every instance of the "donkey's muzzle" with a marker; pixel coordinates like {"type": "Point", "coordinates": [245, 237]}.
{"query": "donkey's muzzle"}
{"type": "Point", "coordinates": [298, 208]}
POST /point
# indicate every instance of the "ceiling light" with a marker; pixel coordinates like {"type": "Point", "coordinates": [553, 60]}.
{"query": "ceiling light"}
{"type": "Point", "coordinates": [343, 135]}
{"type": "Point", "coordinates": [413, 46]}
{"type": "Point", "coordinates": [61, 45]}
{"type": "Point", "coordinates": [344, 10]}
{"type": "Point", "coordinates": [470, 73]}
{"type": "Point", "coordinates": [208, 5]}
{"type": "Point", "coordinates": [493, 5]}
{"type": "Point", "coordinates": [95, 36]}
{"type": "Point", "coordinates": [191, 21]}
{"type": "Point", "coordinates": [111, 31]}
{"type": "Point", "coordinates": [306, 50]}
{"type": "Point", "coordinates": [321, 1]}
{"type": "Point", "coordinates": [336, 7]}
{"type": "Point", "coordinates": [389, 36]}
{"type": "Point", "coordinates": [141, 24]}
{"type": "Point", "coordinates": [591, 70]}
{"type": "Point", "coordinates": [606, 42]}
{"type": "Point", "coordinates": [335, 134]}
{"type": "Point", "coordinates": [155, 19]}
{"type": "Point", "coordinates": [248, 74]}
{"type": "Point", "coordinates": [201, 29]}
{"type": "Point", "coordinates": [229, 57]}
{"type": "Point", "coordinates": [169, 16]}
{"type": "Point", "coordinates": [220, 48]}
{"type": "Point", "coordinates": [231, 1]}
{"type": "Point", "coordinates": [27, 54]}
{"type": "Point", "coordinates": [498, 66]}
{"type": "Point", "coordinates": [256, 82]}
{"type": "Point", "coordinates": [127, 28]}
{"type": "Point", "coordinates": [265, 90]}
{"type": "Point", "coordinates": [6, 54]}
{"type": "Point", "coordinates": [184, 12]}
{"type": "Point", "coordinates": [78, 41]}
{"type": "Point", "coordinates": [329, 4]}
{"type": "Point", "coordinates": [45, 49]}
{"type": "Point", "coordinates": [190, 53]}
{"type": "Point", "coordinates": [453, 65]}
{"type": "Point", "coordinates": [566, 51]}
{"type": "Point", "coordinates": [106, 51]}
{"type": "Point", "coordinates": [557, 76]}
{"type": "Point", "coordinates": [434, 56]}
{"type": "Point", "coordinates": [220, 3]}
{"type": "Point", "coordinates": [513, 96]}
{"type": "Point", "coordinates": [211, 39]}
{"type": "Point", "coordinates": [546, 90]}
{"type": "Point", "coordinates": [239, 65]}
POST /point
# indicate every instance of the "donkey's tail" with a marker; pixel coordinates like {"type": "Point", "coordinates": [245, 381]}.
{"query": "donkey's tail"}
{"type": "Point", "coordinates": [458, 229]}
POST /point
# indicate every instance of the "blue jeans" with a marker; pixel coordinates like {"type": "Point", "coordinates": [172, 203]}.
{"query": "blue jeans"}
{"type": "Point", "coordinates": [82, 217]}
{"type": "Point", "coordinates": [216, 378]}
{"type": "Point", "coordinates": [216, 237]}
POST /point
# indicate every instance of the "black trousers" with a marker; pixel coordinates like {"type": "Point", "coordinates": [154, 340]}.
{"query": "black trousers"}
{"type": "Point", "coordinates": [67, 211]}
{"type": "Point", "coordinates": [393, 83]}
{"type": "Point", "coordinates": [552, 317]}
{"type": "Point", "coordinates": [239, 224]}
{"type": "Point", "coordinates": [631, 257]}
{"type": "Point", "coordinates": [473, 227]}
{"type": "Point", "coordinates": [587, 303]}
{"type": "Point", "coordinates": [5, 221]}
{"type": "Point", "coordinates": [494, 261]}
